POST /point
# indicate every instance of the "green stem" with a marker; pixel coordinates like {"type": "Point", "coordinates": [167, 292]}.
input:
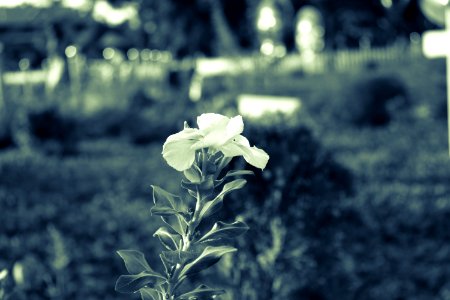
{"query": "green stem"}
{"type": "Point", "coordinates": [187, 236]}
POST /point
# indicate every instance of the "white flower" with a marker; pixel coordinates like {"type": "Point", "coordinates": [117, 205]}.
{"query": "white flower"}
{"type": "Point", "coordinates": [216, 132]}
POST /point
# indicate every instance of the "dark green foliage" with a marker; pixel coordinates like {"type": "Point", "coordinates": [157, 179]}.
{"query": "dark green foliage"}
{"type": "Point", "coordinates": [374, 100]}
{"type": "Point", "coordinates": [92, 200]}
{"type": "Point", "coordinates": [387, 241]}
{"type": "Point", "coordinates": [6, 139]}
{"type": "Point", "coordinates": [303, 186]}
{"type": "Point", "coordinates": [53, 131]}
{"type": "Point", "coordinates": [143, 121]}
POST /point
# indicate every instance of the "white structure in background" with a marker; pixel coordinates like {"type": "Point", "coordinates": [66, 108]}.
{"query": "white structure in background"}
{"type": "Point", "coordinates": [436, 43]}
{"type": "Point", "coordinates": [269, 26]}
{"type": "Point", "coordinates": [210, 67]}
{"type": "Point", "coordinates": [102, 11]}
{"type": "Point", "coordinates": [105, 13]}
{"type": "Point", "coordinates": [81, 5]}
{"type": "Point", "coordinates": [256, 106]}
{"type": "Point", "coordinates": [50, 75]}
{"type": "Point", "coordinates": [309, 38]}
{"type": "Point", "coordinates": [35, 3]}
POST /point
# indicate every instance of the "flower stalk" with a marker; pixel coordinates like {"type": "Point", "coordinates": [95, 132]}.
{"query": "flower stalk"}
{"type": "Point", "coordinates": [191, 244]}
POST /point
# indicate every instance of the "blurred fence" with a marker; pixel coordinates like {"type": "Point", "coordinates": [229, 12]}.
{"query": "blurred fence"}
{"type": "Point", "coordinates": [307, 63]}
{"type": "Point", "coordinates": [94, 83]}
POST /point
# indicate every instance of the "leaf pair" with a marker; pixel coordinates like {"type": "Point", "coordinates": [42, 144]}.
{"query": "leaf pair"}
{"type": "Point", "coordinates": [214, 205]}
{"type": "Point", "coordinates": [224, 231]}
{"type": "Point", "coordinates": [168, 238]}
{"type": "Point", "coordinates": [141, 274]}
{"type": "Point", "coordinates": [233, 173]}
{"type": "Point", "coordinates": [209, 257]}
{"type": "Point", "coordinates": [171, 208]}
{"type": "Point", "coordinates": [202, 292]}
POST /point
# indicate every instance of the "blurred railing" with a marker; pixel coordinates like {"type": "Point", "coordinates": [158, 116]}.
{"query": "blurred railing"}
{"type": "Point", "coordinates": [110, 80]}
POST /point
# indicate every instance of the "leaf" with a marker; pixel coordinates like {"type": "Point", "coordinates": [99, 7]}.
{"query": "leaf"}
{"type": "Point", "coordinates": [214, 205]}
{"type": "Point", "coordinates": [165, 211]}
{"type": "Point", "coordinates": [170, 240]}
{"type": "Point", "coordinates": [162, 198]}
{"type": "Point", "coordinates": [193, 174]}
{"type": "Point", "coordinates": [222, 163]}
{"type": "Point", "coordinates": [223, 230]}
{"type": "Point", "coordinates": [238, 173]}
{"type": "Point", "coordinates": [171, 209]}
{"type": "Point", "coordinates": [182, 257]}
{"type": "Point", "coordinates": [205, 187]}
{"type": "Point", "coordinates": [132, 283]}
{"type": "Point", "coordinates": [233, 173]}
{"type": "Point", "coordinates": [190, 186]}
{"type": "Point", "coordinates": [202, 292]}
{"type": "Point", "coordinates": [135, 261]}
{"type": "Point", "coordinates": [167, 268]}
{"type": "Point", "coordinates": [210, 168]}
{"type": "Point", "coordinates": [149, 294]}
{"type": "Point", "coordinates": [176, 223]}
{"type": "Point", "coordinates": [209, 257]}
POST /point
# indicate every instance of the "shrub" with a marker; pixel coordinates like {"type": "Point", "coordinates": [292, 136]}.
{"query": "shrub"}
{"type": "Point", "coordinates": [145, 120]}
{"type": "Point", "coordinates": [373, 100]}
{"type": "Point", "coordinates": [303, 187]}
{"type": "Point", "coordinates": [6, 139]}
{"type": "Point", "coordinates": [54, 131]}
{"type": "Point", "coordinates": [96, 202]}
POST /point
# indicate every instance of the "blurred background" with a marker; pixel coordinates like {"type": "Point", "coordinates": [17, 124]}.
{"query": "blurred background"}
{"type": "Point", "coordinates": [355, 200]}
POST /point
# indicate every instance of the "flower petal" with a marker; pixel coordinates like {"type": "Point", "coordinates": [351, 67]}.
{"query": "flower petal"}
{"type": "Point", "coordinates": [234, 127]}
{"type": "Point", "coordinates": [217, 130]}
{"type": "Point", "coordinates": [257, 158]}
{"type": "Point", "coordinates": [211, 122]}
{"type": "Point", "coordinates": [238, 147]}
{"type": "Point", "coordinates": [177, 150]}
{"type": "Point", "coordinates": [241, 146]}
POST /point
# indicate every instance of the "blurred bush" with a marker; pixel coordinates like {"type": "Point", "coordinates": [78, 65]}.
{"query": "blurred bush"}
{"type": "Point", "coordinates": [358, 214]}
{"type": "Point", "coordinates": [63, 218]}
{"type": "Point", "coordinates": [54, 131]}
{"type": "Point", "coordinates": [373, 100]}
{"type": "Point", "coordinates": [6, 139]}
{"type": "Point", "coordinates": [294, 209]}
{"type": "Point", "coordinates": [144, 120]}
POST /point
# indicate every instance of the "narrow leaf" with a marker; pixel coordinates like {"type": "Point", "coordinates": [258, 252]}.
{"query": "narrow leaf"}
{"type": "Point", "coordinates": [238, 173]}
{"type": "Point", "coordinates": [223, 162]}
{"type": "Point", "coordinates": [190, 186]}
{"type": "Point", "coordinates": [135, 261]}
{"type": "Point", "coordinates": [132, 283]}
{"type": "Point", "coordinates": [167, 267]}
{"type": "Point", "coordinates": [193, 174]}
{"type": "Point", "coordinates": [170, 207]}
{"type": "Point", "coordinates": [202, 292]}
{"type": "Point", "coordinates": [163, 198]}
{"type": "Point", "coordinates": [209, 257]}
{"type": "Point", "coordinates": [182, 257]}
{"type": "Point", "coordinates": [205, 187]}
{"type": "Point", "coordinates": [223, 230]}
{"type": "Point", "coordinates": [210, 168]}
{"type": "Point", "coordinates": [232, 173]}
{"type": "Point", "coordinates": [214, 205]}
{"type": "Point", "coordinates": [232, 185]}
{"type": "Point", "coordinates": [149, 294]}
{"type": "Point", "coordinates": [175, 222]}
{"type": "Point", "coordinates": [211, 207]}
{"type": "Point", "coordinates": [165, 211]}
{"type": "Point", "coordinates": [169, 239]}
